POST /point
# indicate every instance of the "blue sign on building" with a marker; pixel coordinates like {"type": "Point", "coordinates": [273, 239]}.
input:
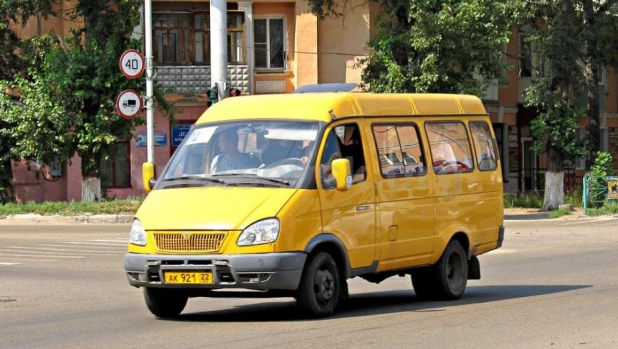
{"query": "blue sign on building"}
{"type": "Point", "coordinates": [178, 134]}
{"type": "Point", "coordinates": [160, 139]}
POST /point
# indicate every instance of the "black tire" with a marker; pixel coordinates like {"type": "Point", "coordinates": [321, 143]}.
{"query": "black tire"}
{"type": "Point", "coordinates": [165, 303]}
{"type": "Point", "coordinates": [447, 279]}
{"type": "Point", "coordinates": [422, 281]}
{"type": "Point", "coordinates": [320, 286]}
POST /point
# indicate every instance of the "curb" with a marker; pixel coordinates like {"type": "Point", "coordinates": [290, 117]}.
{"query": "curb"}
{"type": "Point", "coordinates": [92, 219]}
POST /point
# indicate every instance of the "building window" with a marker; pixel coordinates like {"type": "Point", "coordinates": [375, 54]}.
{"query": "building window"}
{"type": "Point", "coordinates": [450, 147]}
{"type": "Point", "coordinates": [525, 50]}
{"type": "Point", "coordinates": [116, 172]}
{"type": "Point", "coordinates": [184, 39]}
{"type": "Point", "coordinates": [400, 151]}
{"type": "Point", "coordinates": [269, 42]}
{"type": "Point", "coordinates": [484, 146]}
{"type": "Point", "coordinates": [580, 135]}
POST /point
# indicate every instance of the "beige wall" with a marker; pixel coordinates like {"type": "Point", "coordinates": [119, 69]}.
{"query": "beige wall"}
{"type": "Point", "coordinates": [341, 41]}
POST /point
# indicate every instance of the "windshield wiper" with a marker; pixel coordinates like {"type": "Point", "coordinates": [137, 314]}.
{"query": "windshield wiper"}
{"type": "Point", "coordinates": [195, 177]}
{"type": "Point", "coordinates": [253, 175]}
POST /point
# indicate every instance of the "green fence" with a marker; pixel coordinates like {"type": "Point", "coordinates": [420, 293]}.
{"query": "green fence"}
{"type": "Point", "coordinates": [599, 190]}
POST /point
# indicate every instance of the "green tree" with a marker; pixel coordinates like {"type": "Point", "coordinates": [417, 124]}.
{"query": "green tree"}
{"type": "Point", "coordinates": [13, 13]}
{"type": "Point", "coordinates": [558, 41]}
{"type": "Point", "coordinates": [78, 83]}
{"type": "Point", "coordinates": [599, 38]}
{"type": "Point", "coordinates": [448, 46]}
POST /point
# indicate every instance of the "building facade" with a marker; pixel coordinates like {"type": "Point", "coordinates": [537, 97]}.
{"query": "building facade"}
{"type": "Point", "coordinates": [276, 46]}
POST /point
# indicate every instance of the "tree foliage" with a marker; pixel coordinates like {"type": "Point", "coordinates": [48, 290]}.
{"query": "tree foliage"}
{"type": "Point", "coordinates": [449, 46]}
{"type": "Point", "coordinates": [599, 36]}
{"type": "Point", "coordinates": [553, 94]}
{"type": "Point", "coordinates": [73, 90]}
{"type": "Point", "coordinates": [14, 13]}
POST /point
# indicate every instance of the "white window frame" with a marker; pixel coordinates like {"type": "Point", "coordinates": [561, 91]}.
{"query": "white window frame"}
{"type": "Point", "coordinates": [285, 41]}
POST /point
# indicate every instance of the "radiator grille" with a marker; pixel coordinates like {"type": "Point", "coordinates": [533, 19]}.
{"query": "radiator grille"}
{"type": "Point", "coordinates": [191, 242]}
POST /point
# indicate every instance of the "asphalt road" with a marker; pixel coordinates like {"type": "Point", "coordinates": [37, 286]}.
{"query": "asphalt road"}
{"type": "Point", "coordinates": [553, 285]}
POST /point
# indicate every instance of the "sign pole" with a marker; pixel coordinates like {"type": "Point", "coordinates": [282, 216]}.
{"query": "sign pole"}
{"type": "Point", "coordinates": [149, 82]}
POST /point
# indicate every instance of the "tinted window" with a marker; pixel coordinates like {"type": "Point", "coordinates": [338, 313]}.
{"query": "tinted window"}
{"type": "Point", "coordinates": [399, 150]}
{"type": "Point", "coordinates": [483, 146]}
{"type": "Point", "coordinates": [450, 147]}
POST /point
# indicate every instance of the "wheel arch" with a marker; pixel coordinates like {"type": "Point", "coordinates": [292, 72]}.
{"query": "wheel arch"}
{"type": "Point", "coordinates": [330, 243]}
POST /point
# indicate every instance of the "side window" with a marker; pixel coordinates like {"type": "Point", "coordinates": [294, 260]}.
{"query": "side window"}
{"type": "Point", "coordinates": [450, 147]}
{"type": "Point", "coordinates": [484, 146]}
{"type": "Point", "coordinates": [344, 141]}
{"type": "Point", "coordinates": [332, 151]}
{"type": "Point", "coordinates": [399, 150]}
{"type": "Point", "coordinates": [352, 149]}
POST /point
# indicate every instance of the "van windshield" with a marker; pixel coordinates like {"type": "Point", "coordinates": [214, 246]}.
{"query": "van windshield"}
{"type": "Point", "coordinates": [256, 153]}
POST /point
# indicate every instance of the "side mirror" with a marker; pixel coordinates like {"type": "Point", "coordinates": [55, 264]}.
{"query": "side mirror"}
{"type": "Point", "coordinates": [148, 176]}
{"type": "Point", "coordinates": [342, 174]}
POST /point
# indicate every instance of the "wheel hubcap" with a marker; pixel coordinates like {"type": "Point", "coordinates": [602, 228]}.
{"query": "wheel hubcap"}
{"type": "Point", "coordinates": [454, 273]}
{"type": "Point", "coordinates": [324, 285]}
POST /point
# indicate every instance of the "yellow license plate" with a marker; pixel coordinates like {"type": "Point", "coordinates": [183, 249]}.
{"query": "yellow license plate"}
{"type": "Point", "coordinates": [188, 278]}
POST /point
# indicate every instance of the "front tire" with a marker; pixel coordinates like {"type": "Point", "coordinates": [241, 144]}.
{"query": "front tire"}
{"type": "Point", "coordinates": [165, 303]}
{"type": "Point", "coordinates": [320, 286]}
{"type": "Point", "coordinates": [445, 280]}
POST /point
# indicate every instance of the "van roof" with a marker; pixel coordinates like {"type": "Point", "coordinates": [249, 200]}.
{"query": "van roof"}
{"type": "Point", "coordinates": [319, 106]}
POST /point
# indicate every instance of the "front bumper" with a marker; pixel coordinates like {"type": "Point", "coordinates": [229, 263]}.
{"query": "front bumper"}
{"type": "Point", "coordinates": [269, 271]}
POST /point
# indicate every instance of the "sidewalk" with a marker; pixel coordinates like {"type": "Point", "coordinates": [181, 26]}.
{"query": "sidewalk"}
{"type": "Point", "coordinates": [528, 214]}
{"type": "Point", "coordinates": [57, 219]}
{"type": "Point", "coordinates": [510, 214]}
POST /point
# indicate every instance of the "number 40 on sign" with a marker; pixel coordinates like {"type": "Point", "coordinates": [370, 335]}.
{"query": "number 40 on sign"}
{"type": "Point", "coordinates": [132, 64]}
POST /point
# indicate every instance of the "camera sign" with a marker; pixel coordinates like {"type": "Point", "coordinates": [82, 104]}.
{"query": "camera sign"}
{"type": "Point", "coordinates": [132, 64]}
{"type": "Point", "coordinates": [129, 104]}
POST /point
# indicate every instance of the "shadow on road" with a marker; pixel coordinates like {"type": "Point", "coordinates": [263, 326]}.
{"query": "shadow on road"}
{"type": "Point", "coordinates": [375, 303]}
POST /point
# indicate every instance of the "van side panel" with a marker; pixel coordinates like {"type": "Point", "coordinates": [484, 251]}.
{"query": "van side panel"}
{"type": "Point", "coordinates": [300, 221]}
{"type": "Point", "coordinates": [405, 217]}
{"type": "Point", "coordinates": [490, 208]}
{"type": "Point", "coordinates": [468, 202]}
{"type": "Point", "coordinates": [351, 215]}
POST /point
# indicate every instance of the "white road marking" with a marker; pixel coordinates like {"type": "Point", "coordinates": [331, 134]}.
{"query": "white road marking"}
{"type": "Point", "coordinates": [124, 241]}
{"type": "Point", "coordinates": [100, 248]}
{"type": "Point", "coordinates": [3, 263]}
{"type": "Point", "coordinates": [34, 255]}
{"type": "Point", "coordinates": [43, 249]}
{"type": "Point", "coordinates": [31, 259]}
{"type": "Point", "coordinates": [94, 243]}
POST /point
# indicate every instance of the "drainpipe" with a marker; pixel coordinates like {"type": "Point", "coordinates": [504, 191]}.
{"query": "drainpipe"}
{"type": "Point", "coordinates": [218, 46]}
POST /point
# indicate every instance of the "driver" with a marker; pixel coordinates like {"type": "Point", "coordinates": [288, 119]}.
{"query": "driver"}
{"type": "Point", "coordinates": [230, 158]}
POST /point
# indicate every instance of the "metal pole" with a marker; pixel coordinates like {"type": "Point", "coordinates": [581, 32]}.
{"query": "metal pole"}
{"type": "Point", "coordinates": [218, 46]}
{"type": "Point", "coordinates": [585, 195]}
{"type": "Point", "coordinates": [149, 82]}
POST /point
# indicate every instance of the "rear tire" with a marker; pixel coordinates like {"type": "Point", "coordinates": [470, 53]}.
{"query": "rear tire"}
{"type": "Point", "coordinates": [165, 303]}
{"type": "Point", "coordinates": [320, 286]}
{"type": "Point", "coordinates": [447, 279]}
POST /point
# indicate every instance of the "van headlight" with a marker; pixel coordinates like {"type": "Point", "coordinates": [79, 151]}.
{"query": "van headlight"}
{"type": "Point", "coordinates": [262, 232]}
{"type": "Point", "coordinates": [138, 234]}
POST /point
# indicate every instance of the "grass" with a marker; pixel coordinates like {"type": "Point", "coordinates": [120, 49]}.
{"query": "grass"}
{"type": "Point", "coordinates": [608, 208]}
{"type": "Point", "coordinates": [559, 213]}
{"type": "Point", "coordinates": [63, 208]}
{"type": "Point", "coordinates": [535, 200]}
{"type": "Point", "coordinates": [532, 200]}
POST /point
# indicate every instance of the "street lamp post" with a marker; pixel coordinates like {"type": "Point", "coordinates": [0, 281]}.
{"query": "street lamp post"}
{"type": "Point", "coordinates": [149, 83]}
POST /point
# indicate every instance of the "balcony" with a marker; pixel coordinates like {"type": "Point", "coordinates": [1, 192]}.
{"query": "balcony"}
{"type": "Point", "coordinates": [195, 79]}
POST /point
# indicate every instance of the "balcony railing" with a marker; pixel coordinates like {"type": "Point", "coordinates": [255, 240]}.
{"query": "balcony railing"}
{"type": "Point", "coordinates": [195, 79]}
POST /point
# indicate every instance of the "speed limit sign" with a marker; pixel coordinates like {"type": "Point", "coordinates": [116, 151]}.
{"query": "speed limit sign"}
{"type": "Point", "coordinates": [132, 64]}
